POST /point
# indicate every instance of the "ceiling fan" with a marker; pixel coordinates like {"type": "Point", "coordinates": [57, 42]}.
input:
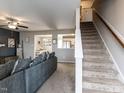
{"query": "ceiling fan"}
{"type": "Point", "coordinates": [12, 23]}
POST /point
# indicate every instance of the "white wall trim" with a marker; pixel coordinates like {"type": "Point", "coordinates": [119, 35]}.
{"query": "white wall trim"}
{"type": "Point", "coordinates": [78, 55]}
{"type": "Point", "coordinates": [120, 76]}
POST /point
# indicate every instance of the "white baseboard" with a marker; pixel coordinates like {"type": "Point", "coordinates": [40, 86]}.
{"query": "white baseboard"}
{"type": "Point", "coordinates": [60, 61]}
{"type": "Point", "coordinates": [120, 75]}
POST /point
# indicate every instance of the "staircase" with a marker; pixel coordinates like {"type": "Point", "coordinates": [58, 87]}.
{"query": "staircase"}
{"type": "Point", "coordinates": [99, 75]}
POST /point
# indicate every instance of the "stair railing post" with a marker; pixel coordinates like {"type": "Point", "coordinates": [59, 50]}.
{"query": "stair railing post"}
{"type": "Point", "coordinates": [78, 55]}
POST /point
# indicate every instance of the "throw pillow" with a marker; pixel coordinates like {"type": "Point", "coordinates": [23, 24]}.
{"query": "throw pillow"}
{"type": "Point", "coordinates": [16, 63]}
{"type": "Point", "coordinates": [47, 55]}
{"type": "Point", "coordinates": [36, 61]}
{"type": "Point", "coordinates": [21, 64]}
{"type": "Point", "coordinates": [51, 55]}
{"type": "Point", "coordinates": [39, 59]}
{"type": "Point", "coordinates": [43, 56]}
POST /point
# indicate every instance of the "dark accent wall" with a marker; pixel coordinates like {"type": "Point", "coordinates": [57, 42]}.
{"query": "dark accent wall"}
{"type": "Point", "coordinates": [4, 35]}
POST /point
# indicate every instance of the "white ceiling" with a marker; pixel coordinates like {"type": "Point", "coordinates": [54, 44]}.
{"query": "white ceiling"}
{"type": "Point", "coordinates": [41, 14]}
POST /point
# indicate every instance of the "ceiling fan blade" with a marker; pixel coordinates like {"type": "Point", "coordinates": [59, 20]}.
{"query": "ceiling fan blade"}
{"type": "Point", "coordinates": [23, 26]}
{"type": "Point", "coordinates": [3, 25]}
{"type": "Point", "coordinates": [2, 18]}
{"type": "Point", "coordinates": [11, 19]}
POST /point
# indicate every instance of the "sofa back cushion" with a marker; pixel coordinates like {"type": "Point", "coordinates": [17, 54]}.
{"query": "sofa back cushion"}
{"type": "Point", "coordinates": [51, 55]}
{"type": "Point", "coordinates": [41, 58]}
{"type": "Point", "coordinates": [6, 69]}
{"type": "Point", "coordinates": [21, 64]}
{"type": "Point", "coordinates": [36, 61]}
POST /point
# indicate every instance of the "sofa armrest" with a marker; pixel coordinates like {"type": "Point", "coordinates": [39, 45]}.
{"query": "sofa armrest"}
{"type": "Point", "coordinates": [13, 84]}
{"type": "Point", "coordinates": [36, 75]}
{"type": "Point", "coordinates": [50, 66]}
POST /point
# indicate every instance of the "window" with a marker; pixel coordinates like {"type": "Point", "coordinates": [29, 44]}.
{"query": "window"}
{"type": "Point", "coordinates": [66, 40]}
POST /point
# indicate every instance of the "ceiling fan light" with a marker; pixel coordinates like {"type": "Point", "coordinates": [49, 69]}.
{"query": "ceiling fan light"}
{"type": "Point", "coordinates": [15, 23]}
{"type": "Point", "coordinates": [12, 26]}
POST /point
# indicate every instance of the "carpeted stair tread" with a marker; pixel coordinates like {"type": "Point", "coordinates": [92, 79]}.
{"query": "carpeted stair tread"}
{"type": "Point", "coordinates": [102, 81]}
{"type": "Point", "coordinates": [95, 51]}
{"type": "Point", "coordinates": [95, 74]}
{"type": "Point", "coordinates": [107, 70]}
{"type": "Point", "coordinates": [98, 65]}
{"type": "Point", "coordinates": [96, 91]}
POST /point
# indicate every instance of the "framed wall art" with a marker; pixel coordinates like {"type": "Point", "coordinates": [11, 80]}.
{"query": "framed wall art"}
{"type": "Point", "coordinates": [11, 42]}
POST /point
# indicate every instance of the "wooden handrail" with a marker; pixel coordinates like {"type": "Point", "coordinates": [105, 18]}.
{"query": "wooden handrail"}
{"type": "Point", "coordinates": [114, 34]}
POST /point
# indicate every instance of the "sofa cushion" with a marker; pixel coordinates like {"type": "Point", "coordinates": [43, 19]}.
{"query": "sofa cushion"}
{"type": "Point", "coordinates": [21, 64]}
{"type": "Point", "coordinates": [43, 56]}
{"type": "Point", "coordinates": [47, 55]}
{"type": "Point", "coordinates": [10, 66]}
{"type": "Point", "coordinates": [36, 61]}
{"type": "Point", "coordinates": [51, 55]}
{"type": "Point", "coordinates": [5, 69]}
{"type": "Point", "coordinates": [15, 65]}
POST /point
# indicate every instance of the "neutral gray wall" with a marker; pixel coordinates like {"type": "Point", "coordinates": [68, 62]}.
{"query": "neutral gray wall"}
{"type": "Point", "coordinates": [112, 13]}
{"type": "Point", "coordinates": [64, 55]}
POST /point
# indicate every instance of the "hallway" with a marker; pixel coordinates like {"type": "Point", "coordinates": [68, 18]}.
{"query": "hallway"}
{"type": "Point", "coordinates": [62, 81]}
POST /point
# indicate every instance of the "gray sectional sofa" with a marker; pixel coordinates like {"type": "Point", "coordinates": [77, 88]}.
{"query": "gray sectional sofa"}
{"type": "Point", "coordinates": [30, 79]}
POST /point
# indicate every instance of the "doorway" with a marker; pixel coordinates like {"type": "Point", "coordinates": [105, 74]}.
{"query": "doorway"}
{"type": "Point", "coordinates": [86, 10]}
{"type": "Point", "coordinates": [86, 15]}
{"type": "Point", "coordinates": [42, 43]}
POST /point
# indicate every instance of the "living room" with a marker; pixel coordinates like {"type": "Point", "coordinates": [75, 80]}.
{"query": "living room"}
{"type": "Point", "coordinates": [37, 46]}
